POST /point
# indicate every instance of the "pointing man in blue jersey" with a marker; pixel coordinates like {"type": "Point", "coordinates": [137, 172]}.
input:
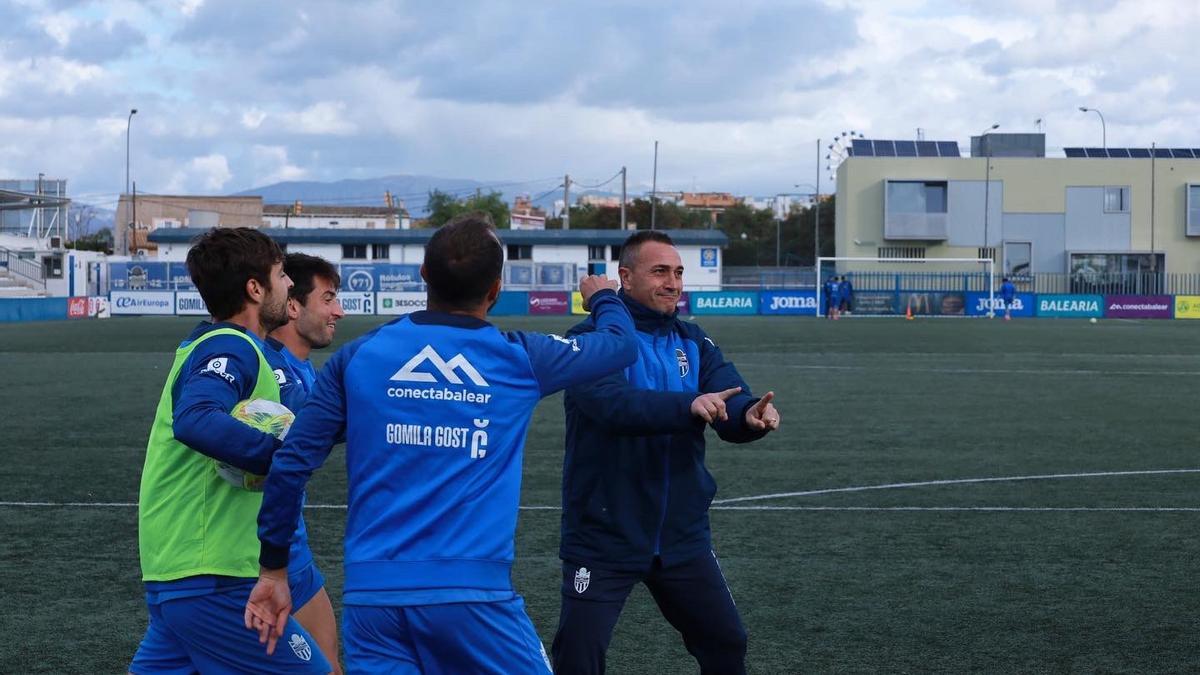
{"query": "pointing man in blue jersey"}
{"type": "Point", "coordinates": [196, 529]}
{"type": "Point", "coordinates": [313, 311]}
{"type": "Point", "coordinates": [635, 488]}
{"type": "Point", "coordinates": [434, 407]}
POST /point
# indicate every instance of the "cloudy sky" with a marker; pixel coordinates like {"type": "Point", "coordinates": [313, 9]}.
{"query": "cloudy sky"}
{"type": "Point", "coordinates": [233, 94]}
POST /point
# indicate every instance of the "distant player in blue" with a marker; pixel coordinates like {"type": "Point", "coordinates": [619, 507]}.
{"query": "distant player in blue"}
{"type": "Point", "coordinates": [1008, 294]}
{"type": "Point", "coordinates": [845, 295]}
{"type": "Point", "coordinates": [434, 407]}
{"type": "Point", "coordinates": [196, 528]}
{"type": "Point", "coordinates": [313, 312]}
{"type": "Point", "coordinates": [832, 297]}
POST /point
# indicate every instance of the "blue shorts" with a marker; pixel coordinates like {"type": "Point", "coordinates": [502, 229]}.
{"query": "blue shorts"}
{"type": "Point", "coordinates": [304, 584]}
{"type": "Point", "coordinates": [206, 634]}
{"type": "Point", "coordinates": [468, 637]}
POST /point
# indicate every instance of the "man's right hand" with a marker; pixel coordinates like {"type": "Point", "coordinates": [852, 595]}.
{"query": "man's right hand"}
{"type": "Point", "coordinates": [593, 283]}
{"type": "Point", "coordinates": [268, 607]}
{"type": "Point", "coordinates": [711, 407]}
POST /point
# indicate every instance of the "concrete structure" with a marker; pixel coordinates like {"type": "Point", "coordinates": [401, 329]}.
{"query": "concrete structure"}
{"type": "Point", "coordinates": [175, 211]}
{"type": "Point", "coordinates": [336, 217]}
{"type": "Point", "coordinates": [1040, 215]}
{"type": "Point", "coordinates": [578, 252]}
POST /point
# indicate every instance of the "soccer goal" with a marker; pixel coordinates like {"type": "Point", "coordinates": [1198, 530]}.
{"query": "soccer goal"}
{"type": "Point", "coordinates": [950, 287]}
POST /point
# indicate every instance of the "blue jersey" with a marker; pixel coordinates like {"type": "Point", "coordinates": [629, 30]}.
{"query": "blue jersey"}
{"type": "Point", "coordinates": [434, 408]}
{"type": "Point", "coordinates": [1008, 291]}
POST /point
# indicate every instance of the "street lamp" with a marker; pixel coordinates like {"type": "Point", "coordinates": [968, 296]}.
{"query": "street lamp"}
{"type": "Point", "coordinates": [987, 179]}
{"type": "Point", "coordinates": [1103, 126]}
{"type": "Point", "coordinates": [128, 124]}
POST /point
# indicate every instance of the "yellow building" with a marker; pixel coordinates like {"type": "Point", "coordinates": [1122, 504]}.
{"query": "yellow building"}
{"type": "Point", "coordinates": [1125, 211]}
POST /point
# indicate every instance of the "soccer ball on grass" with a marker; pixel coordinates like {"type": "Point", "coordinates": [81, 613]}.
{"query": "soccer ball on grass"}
{"type": "Point", "coordinates": [266, 416]}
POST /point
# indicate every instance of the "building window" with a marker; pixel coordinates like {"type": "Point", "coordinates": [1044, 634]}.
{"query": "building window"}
{"type": "Point", "coordinates": [902, 252]}
{"type": "Point", "coordinates": [354, 251]}
{"type": "Point", "coordinates": [333, 223]}
{"type": "Point", "coordinates": [595, 253]}
{"type": "Point", "coordinates": [614, 252]}
{"type": "Point", "coordinates": [1193, 210]}
{"type": "Point", "coordinates": [916, 209]}
{"type": "Point", "coordinates": [370, 224]}
{"type": "Point", "coordinates": [916, 196]}
{"type": "Point", "coordinates": [520, 252]}
{"type": "Point", "coordinates": [1116, 199]}
{"type": "Point", "coordinates": [1018, 258]}
{"type": "Point", "coordinates": [988, 252]}
{"type": "Point", "coordinates": [380, 251]}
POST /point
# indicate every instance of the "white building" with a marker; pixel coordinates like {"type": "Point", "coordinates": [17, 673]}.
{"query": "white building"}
{"type": "Point", "coordinates": [335, 217]}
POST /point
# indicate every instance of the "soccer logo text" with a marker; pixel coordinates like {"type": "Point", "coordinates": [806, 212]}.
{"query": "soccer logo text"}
{"type": "Point", "coordinates": [446, 371]}
{"type": "Point", "coordinates": [217, 367]}
{"type": "Point", "coordinates": [430, 436]}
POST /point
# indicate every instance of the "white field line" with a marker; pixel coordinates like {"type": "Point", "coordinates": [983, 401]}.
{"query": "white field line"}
{"type": "Point", "coordinates": [723, 504]}
{"type": "Point", "coordinates": [955, 481]}
{"type": "Point", "coordinates": [980, 371]}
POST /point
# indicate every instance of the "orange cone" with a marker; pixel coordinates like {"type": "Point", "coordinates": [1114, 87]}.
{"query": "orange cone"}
{"type": "Point", "coordinates": [908, 312]}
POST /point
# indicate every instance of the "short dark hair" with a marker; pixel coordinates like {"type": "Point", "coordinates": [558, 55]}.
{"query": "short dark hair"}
{"type": "Point", "coordinates": [630, 248]}
{"type": "Point", "coordinates": [221, 262]}
{"type": "Point", "coordinates": [303, 269]}
{"type": "Point", "coordinates": [462, 261]}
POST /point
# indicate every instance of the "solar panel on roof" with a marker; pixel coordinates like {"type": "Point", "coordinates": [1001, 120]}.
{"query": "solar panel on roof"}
{"type": "Point", "coordinates": [1096, 152]}
{"type": "Point", "coordinates": [861, 147]}
{"type": "Point", "coordinates": [1162, 152]}
{"type": "Point", "coordinates": [948, 149]}
{"type": "Point", "coordinates": [1118, 153]}
{"type": "Point", "coordinates": [906, 149]}
{"type": "Point", "coordinates": [1139, 153]}
{"type": "Point", "coordinates": [927, 149]}
{"type": "Point", "coordinates": [1074, 152]}
{"type": "Point", "coordinates": [1182, 153]}
{"type": "Point", "coordinates": [885, 149]}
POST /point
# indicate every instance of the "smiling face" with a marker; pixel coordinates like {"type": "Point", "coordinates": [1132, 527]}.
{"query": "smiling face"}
{"type": "Point", "coordinates": [316, 320]}
{"type": "Point", "coordinates": [655, 276]}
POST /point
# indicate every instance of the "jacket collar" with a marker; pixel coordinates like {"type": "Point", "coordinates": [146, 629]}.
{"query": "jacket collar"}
{"type": "Point", "coordinates": [648, 320]}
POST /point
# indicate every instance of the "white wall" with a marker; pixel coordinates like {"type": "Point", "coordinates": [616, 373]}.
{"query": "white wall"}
{"type": "Point", "coordinates": [696, 277]}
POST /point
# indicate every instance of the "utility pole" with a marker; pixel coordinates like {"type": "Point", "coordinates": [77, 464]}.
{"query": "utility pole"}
{"type": "Point", "coordinates": [566, 202]}
{"type": "Point", "coordinates": [654, 189]}
{"type": "Point", "coordinates": [133, 220]}
{"type": "Point", "coordinates": [622, 198]}
{"type": "Point", "coordinates": [817, 214]}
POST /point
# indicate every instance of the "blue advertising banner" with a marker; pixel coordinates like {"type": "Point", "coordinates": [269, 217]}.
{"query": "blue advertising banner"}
{"type": "Point", "coordinates": [387, 277]}
{"type": "Point", "coordinates": [731, 302]}
{"type": "Point", "coordinates": [788, 302]}
{"type": "Point", "coordinates": [1070, 306]}
{"type": "Point", "coordinates": [977, 304]}
{"type": "Point", "coordinates": [510, 303]}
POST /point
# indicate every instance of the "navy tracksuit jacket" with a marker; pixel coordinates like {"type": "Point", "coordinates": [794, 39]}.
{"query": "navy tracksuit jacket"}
{"type": "Point", "coordinates": [634, 482]}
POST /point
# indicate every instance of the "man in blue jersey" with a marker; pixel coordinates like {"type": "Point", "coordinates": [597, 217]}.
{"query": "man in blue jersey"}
{"type": "Point", "coordinates": [1008, 294]}
{"type": "Point", "coordinates": [434, 407]}
{"type": "Point", "coordinates": [845, 295]}
{"type": "Point", "coordinates": [635, 489]}
{"type": "Point", "coordinates": [313, 311]}
{"type": "Point", "coordinates": [832, 297]}
{"type": "Point", "coordinates": [195, 529]}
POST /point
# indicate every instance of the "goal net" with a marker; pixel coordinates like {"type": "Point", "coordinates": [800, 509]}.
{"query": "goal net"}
{"type": "Point", "coordinates": [950, 287]}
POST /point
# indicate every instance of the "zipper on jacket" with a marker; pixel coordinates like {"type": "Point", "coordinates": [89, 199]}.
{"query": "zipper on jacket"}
{"type": "Point", "coordinates": [662, 517]}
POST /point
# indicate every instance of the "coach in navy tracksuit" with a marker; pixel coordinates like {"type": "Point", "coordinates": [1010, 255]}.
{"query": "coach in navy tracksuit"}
{"type": "Point", "coordinates": [635, 488]}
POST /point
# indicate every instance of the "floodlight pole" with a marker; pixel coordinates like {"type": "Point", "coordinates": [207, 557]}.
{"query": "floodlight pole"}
{"type": "Point", "coordinates": [987, 183]}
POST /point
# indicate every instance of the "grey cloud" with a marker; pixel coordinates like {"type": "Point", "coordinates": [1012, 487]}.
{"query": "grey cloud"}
{"type": "Point", "coordinates": [95, 42]}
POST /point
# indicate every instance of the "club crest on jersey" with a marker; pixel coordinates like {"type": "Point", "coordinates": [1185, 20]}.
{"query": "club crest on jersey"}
{"type": "Point", "coordinates": [682, 358]}
{"type": "Point", "coordinates": [300, 647]}
{"type": "Point", "coordinates": [582, 578]}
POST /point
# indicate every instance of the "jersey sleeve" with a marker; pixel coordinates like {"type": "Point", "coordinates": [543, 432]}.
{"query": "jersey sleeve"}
{"type": "Point", "coordinates": [319, 426]}
{"type": "Point", "coordinates": [221, 371]}
{"type": "Point", "coordinates": [561, 362]}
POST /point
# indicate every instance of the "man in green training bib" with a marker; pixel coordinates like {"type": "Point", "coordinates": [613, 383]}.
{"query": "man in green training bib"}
{"type": "Point", "coordinates": [196, 529]}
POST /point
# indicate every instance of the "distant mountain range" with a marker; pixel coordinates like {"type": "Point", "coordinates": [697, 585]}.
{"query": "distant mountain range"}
{"type": "Point", "coordinates": [412, 190]}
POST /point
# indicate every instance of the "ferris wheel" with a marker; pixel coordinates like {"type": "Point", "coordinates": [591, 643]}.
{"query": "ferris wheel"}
{"type": "Point", "coordinates": [839, 150]}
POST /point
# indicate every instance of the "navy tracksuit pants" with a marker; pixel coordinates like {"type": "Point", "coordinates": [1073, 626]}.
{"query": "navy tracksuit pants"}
{"type": "Point", "coordinates": [692, 596]}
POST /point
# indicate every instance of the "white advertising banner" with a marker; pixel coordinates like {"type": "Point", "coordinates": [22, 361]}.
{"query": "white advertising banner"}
{"type": "Point", "coordinates": [189, 303]}
{"type": "Point", "coordinates": [399, 303]}
{"type": "Point", "coordinates": [142, 302]}
{"type": "Point", "coordinates": [357, 303]}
